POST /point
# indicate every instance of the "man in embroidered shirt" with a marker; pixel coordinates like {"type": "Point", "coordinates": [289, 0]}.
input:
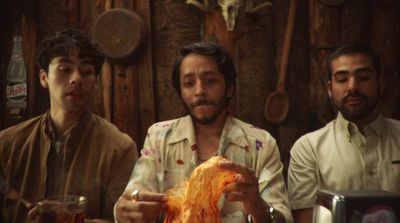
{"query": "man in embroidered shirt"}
{"type": "Point", "coordinates": [358, 150]}
{"type": "Point", "coordinates": [204, 77]}
{"type": "Point", "coordinates": [68, 150]}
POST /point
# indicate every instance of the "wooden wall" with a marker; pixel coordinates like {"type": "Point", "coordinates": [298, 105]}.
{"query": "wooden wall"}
{"type": "Point", "coordinates": [135, 96]}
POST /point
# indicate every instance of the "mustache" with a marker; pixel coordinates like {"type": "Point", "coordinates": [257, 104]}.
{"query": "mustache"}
{"type": "Point", "coordinates": [355, 94]}
{"type": "Point", "coordinates": [202, 102]}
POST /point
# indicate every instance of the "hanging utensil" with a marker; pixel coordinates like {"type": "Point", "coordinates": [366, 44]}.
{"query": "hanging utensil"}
{"type": "Point", "coordinates": [277, 104]}
{"type": "Point", "coordinates": [121, 33]}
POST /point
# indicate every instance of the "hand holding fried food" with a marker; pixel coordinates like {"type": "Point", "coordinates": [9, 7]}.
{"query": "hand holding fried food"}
{"type": "Point", "coordinates": [196, 200]}
{"type": "Point", "coordinates": [145, 206]}
{"type": "Point", "coordinates": [245, 189]}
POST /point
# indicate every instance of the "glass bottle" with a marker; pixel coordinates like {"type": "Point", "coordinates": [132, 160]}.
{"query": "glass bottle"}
{"type": "Point", "coordinates": [16, 80]}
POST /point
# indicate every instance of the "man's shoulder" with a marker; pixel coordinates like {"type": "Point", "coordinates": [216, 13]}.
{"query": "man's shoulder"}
{"type": "Point", "coordinates": [314, 139]}
{"type": "Point", "coordinates": [168, 125]}
{"type": "Point", "coordinates": [108, 130]}
{"type": "Point", "coordinates": [321, 132]}
{"type": "Point", "coordinates": [393, 123]}
{"type": "Point", "coordinates": [22, 128]}
{"type": "Point", "coordinates": [251, 130]}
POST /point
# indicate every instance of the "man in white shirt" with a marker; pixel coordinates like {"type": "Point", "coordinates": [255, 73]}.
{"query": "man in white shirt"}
{"type": "Point", "coordinates": [360, 149]}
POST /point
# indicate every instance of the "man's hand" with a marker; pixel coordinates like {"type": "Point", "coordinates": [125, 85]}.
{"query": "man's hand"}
{"type": "Point", "coordinates": [32, 214]}
{"type": "Point", "coordinates": [146, 208]}
{"type": "Point", "coordinates": [246, 190]}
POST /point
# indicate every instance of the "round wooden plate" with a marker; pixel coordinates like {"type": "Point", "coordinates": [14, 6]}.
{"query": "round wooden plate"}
{"type": "Point", "coordinates": [120, 33]}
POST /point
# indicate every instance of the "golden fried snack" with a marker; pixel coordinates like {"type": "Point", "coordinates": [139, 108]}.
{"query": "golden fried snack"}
{"type": "Point", "coordinates": [195, 200]}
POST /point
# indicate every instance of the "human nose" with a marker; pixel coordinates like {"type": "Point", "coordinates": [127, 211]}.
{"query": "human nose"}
{"type": "Point", "coordinates": [76, 77]}
{"type": "Point", "coordinates": [200, 89]}
{"type": "Point", "coordinates": [352, 84]}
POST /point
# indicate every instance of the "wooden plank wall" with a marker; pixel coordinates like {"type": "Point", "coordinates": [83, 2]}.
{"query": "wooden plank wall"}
{"type": "Point", "coordinates": [137, 95]}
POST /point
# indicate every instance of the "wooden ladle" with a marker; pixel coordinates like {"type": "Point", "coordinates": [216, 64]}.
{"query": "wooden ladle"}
{"type": "Point", "coordinates": [277, 104]}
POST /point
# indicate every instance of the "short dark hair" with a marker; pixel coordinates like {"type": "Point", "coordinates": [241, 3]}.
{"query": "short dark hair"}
{"type": "Point", "coordinates": [224, 62]}
{"type": "Point", "coordinates": [62, 42]}
{"type": "Point", "coordinates": [354, 48]}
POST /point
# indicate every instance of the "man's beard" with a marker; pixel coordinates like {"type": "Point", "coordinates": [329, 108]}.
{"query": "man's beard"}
{"type": "Point", "coordinates": [220, 105]}
{"type": "Point", "coordinates": [360, 113]}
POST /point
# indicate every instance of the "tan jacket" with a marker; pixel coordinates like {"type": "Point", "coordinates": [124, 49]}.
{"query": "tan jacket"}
{"type": "Point", "coordinates": [98, 164]}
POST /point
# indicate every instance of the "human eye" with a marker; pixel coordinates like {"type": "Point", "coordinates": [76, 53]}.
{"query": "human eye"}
{"type": "Point", "coordinates": [211, 80]}
{"type": "Point", "coordinates": [340, 77]}
{"type": "Point", "coordinates": [64, 69]}
{"type": "Point", "coordinates": [188, 82]}
{"type": "Point", "coordinates": [364, 75]}
{"type": "Point", "coordinates": [87, 71]}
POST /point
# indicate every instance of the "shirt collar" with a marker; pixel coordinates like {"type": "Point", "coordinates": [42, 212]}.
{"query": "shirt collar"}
{"type": "Point", "coordinates": [50, 131]}
{"type": "Point", "coordinates": [348, 128]}
{"type": "Point", "coordinates": [378, 125]}
{"type": "Point", "coordinates": [230, 133]}
{"type": "Point", "coordinates": [184, 130]}
{"type": "Point", "coordinates": [233, 133]}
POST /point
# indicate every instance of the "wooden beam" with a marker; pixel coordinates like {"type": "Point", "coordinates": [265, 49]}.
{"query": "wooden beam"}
{"type": "Point", "coordinates": [145, 73]}
{"type": "Point", "coordinates": [215, 30]}
{"type": "Point", "coordinates": [296, 122]}
{"type": "Point", "coordinates": [73, 12]}
{"type": "Point", "coordinates": [125, 103]}
{"type": "Point", "coordinates": [126, 93]}
{"type": "Point", "coordinates": [385, 40]}
{"type": "Point", "coordinates": [355, 21]}
{"type": "Point", "coordinates": [29, 34]}
{"type": "Point", "coordinates": [174, 24]}
{"type": "Point", "coordinates": [324, 24]}
{"type": "Point", "coordinates": [106, 78]}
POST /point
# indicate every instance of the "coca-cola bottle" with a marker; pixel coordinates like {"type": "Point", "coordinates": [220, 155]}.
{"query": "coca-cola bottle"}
{"type": "Point", "coordinates": [16, 81]}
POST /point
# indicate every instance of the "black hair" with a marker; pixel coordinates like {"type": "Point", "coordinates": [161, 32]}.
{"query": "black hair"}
{"type": "Point", "coordinates": [354, 48]}
{"type": "Point", "coordinates": [224, 62]}
{"type": "Point", "coordinates": [62, 42]}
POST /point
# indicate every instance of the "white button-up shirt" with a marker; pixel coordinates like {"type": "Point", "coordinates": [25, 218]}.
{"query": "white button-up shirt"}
{"type": "Point", "coordinates": [340, 157]}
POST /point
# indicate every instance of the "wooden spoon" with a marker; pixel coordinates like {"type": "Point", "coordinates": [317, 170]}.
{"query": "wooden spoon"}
{"type": "Point", "coordinates": [277, 104]}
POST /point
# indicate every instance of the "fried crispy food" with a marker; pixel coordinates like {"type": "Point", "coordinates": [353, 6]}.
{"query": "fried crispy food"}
{"type": "Point", "coordinates": [195, 200]}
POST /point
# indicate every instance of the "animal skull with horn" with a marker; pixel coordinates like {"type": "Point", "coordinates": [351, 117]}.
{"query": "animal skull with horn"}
{"type": "Point", "coordinates": [230, 9]}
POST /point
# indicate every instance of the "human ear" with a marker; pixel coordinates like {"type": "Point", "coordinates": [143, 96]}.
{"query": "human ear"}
{"type": "Point", "coordinates": [229, 91]}
{"type": "Point", "coordinates": [329, 87]}
{"type": "Point", "coordinates": [43, 78]}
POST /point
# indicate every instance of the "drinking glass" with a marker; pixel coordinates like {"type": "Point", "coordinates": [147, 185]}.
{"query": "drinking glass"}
{"type": "Point", "coordinates": [62, 209]}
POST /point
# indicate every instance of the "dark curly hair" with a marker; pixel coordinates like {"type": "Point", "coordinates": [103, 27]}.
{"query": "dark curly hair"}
{"type": "Point", "coordinates": [63, 42]}
{"type": "Point", "coordinates": [224, 62]}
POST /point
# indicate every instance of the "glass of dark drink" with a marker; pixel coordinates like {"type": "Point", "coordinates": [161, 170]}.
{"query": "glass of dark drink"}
{"type": "Point", "coordinates": [62, 209]}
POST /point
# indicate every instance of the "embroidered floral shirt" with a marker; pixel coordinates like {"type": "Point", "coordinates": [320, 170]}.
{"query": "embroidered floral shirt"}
{"type": "Point", "coordinates": [169, 156]}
